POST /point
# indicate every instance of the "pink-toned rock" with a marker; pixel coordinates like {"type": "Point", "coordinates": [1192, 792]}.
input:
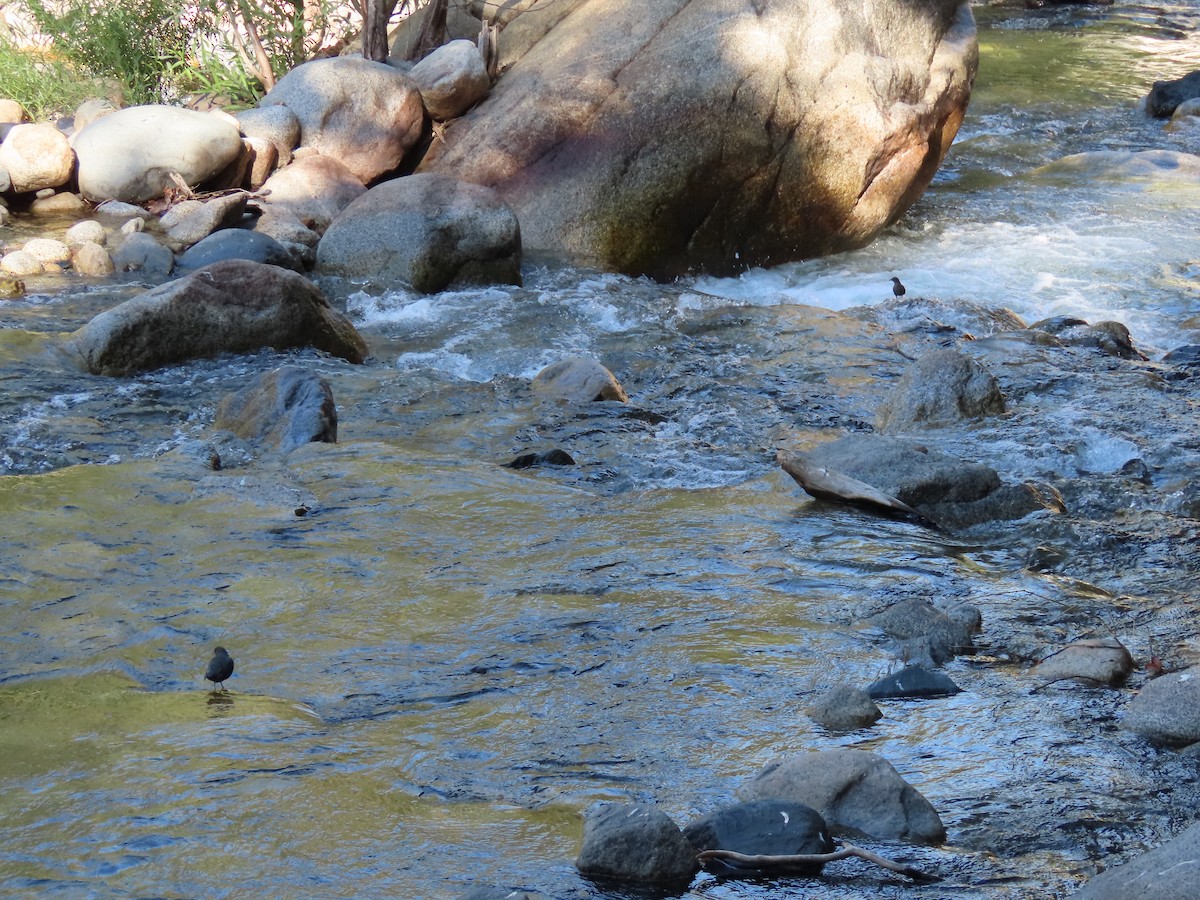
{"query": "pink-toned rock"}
{"type": "Point", "coordinates": [452, 79]}
{"type": "Point", "coordinates": [365, 114]}
{"type": "Point", "coordinates": [313, 189]}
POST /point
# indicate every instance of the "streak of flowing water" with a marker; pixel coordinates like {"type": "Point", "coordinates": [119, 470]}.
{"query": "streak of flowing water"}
{"type": "Point", "coordinates": [443, 661]}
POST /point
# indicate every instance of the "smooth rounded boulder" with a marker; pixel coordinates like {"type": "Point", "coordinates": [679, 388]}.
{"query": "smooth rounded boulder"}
{"type": "Point", "coordinates": [662, 136]}
{"type": "Point", "coordinates": [131, 154]}
{"type": "Point", "coordinates": [234, 306]}
{"type": "Point", "coordinates": [428, 231]}
{"type": "Point", "coordinates": [637, 843]}
{"type": "Point", "coordinates": [36, 157]}
{"type": "Point", "coordinates": [364, 114]}
{"type": "Point", "coordinates": [451, 79]}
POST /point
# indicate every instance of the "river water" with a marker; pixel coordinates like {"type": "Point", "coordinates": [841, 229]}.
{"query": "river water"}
{"type": "Point", "coordinates": [444, 662]}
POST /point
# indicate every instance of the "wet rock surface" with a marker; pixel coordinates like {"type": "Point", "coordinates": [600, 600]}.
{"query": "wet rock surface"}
{"type": "Point", "coordinates": [854, 790]}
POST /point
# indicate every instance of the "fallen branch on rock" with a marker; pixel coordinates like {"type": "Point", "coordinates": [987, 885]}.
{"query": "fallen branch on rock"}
{"type": "Point", "coordinates": [783, 863]}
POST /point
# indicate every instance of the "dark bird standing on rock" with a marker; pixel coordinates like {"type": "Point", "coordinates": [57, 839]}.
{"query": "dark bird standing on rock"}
{"type": "Point", "coordinates": [220, 667]}
{"type": "Point", "coordinates": [897, 287]}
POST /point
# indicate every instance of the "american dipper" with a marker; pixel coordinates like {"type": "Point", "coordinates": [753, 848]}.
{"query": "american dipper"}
{"type": "Point", "coordinates": [897, 287]}
{"type": "Point", "coordinates": [220, 667]}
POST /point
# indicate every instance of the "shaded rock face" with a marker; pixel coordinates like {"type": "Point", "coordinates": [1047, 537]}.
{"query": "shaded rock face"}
{"type": "Point", "coordinates": [788, 130]}
{"type": "Point", "coordinates": [1165, 96]}
{"type": "Point", "coordinates": [314, 190]}
{"type": "Point", "coordinates": [1169, 872]}
{"type": "Point", "coordinates": [1167, 709]}
{"type": "Point", "coordinates": [635, 843]}
{"type": "Point", "coordinates": [364, 114]}
{"type": "Point", "coordinates": [130, 154]}
{"type": "Point", "coordinates": [281, 410]}
{"type": "Point", "coordinates": [229, 307]}
{"type": "Point", "coordinates": [429, 231]}
{"type": "Point", "coordinates": [763, 827]}
{"type": "Point", "coordinates": [851, 789]}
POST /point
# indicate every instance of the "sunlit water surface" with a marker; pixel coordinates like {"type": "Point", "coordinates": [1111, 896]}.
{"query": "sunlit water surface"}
{"type": "Point", "coordinates": [444, 662]}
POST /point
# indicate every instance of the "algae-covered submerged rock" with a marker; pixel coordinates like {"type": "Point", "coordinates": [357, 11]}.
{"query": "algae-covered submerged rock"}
{"type": "Point", "coordinates": [233, 306]}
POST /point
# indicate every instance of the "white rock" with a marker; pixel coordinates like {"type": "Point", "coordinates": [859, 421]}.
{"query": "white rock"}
{"type": "Point", "coordinates": [47, 250]}
{"type": "Point", "coordinates": [36, 157]}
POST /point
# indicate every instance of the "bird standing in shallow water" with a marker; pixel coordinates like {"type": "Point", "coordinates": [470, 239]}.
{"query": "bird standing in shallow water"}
{"type": "Point", "coordinates": [897, 287]}
{"type": "Point", "coordinates": [220, 667]}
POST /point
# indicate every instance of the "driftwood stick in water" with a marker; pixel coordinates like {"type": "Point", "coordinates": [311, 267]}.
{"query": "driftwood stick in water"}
{"type": "Point", "coordinates": [782, 862]}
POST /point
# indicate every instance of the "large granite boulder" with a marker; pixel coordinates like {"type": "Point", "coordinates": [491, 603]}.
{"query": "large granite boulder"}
{"type": "Point", "coordinates": [658, 136]}
{"type": "Point", "coordinates": [234, 306]}
{"type": "Point", "coordinates": [131, 154]}
{"type": "Point", "coordinates": [1166, 96]}
{"type": "Point", "coordinates": [428, 231]}
{"type": "Point", "coordinates": [851, 789]}
{"type": "Point", "coordinates": [364, 114]}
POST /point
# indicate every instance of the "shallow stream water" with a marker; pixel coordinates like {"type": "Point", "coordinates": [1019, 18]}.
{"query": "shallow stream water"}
{"type": "Point", "coordinates": [443, 662]}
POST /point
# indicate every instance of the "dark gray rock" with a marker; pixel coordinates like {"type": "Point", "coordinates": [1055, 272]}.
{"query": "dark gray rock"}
{"type": "Point", "coordinates": [912, 682]}
{"type": "Point", "coordinates": [580, 380]}
{"type": "Point", "coordinates": [1167, 709]}
{"type": "Point", "coordinates": [918, 618]}
{"type": "Point", "coordinates": [1169, 872]}
{"type": "Point", "coordinates": [429, 231]}
{"type": "Point", "coordinates": [281, 410]}
{"type": "Point", "coordinates": [941, 388]}
{"type": "Point", "coordinates": [1111, 337]}
{"type": "Point", "coordinates": [1165, 96]}
{"type": "Point", "coordinates": [951, 492]}
{"type": "Point", "coordinates": [852, 790]}
{"type": "Point", "coordinates": [655, 152]}
{"type": "Point", "coordinates": [229, 307]}
{"type": "Point", "coordinates": [553, 457]}
{"type": "Point", "coordinates": [762, 827]}
{"type": "Point", "coordinates": [635, 843]}
{"type": "Point", "coordinates": [844, 708]}
{"type": "Point", "coordinates": [238, 243]}
{"type": "Point", "coordinates": [139, 252]}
